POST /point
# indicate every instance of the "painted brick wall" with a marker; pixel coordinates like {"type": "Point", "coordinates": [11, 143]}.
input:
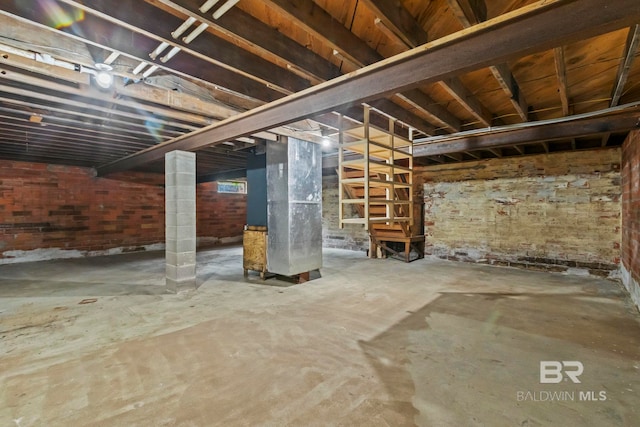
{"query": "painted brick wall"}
{"type": "Point", "coordinates": [631, 215]}
{"type": "Point", "coordinates": [352, 236]}
{"type": "Point", "coordinates": [53, 211]}
{"type": "Point", "coordinates": [551, 212]}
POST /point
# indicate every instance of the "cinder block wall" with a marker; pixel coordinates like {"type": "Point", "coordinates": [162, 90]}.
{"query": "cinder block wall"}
{"type": "Point", "coordinates": [352, 236]}
{"type": "Point", "coordinates": [551, 212]}
{"type": "Point", "coordinates": [52, 211]}
{"type": "Point", "coordinates": [631, 215]}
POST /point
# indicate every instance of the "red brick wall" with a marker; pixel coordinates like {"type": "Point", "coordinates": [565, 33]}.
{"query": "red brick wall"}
{"type": "Point", "coordinates": [631, 214]}
{"type": "Point", "coordinates": [221, 216]}
{"type": "Point", "coordinates": [51, 211]}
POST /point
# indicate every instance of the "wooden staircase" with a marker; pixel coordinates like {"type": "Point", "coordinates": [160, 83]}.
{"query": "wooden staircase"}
{"type": "Point", "coordinates": [376, 188]}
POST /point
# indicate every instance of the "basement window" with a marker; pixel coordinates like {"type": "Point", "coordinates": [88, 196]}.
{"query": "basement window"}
{"type": "Point", "coordinates": [238, 187]}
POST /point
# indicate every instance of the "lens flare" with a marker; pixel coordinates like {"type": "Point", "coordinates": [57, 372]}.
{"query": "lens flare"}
{"type": "Point", "coordinates": [60, 17]}
{"type": "Point", "coordinates": [155, 129]}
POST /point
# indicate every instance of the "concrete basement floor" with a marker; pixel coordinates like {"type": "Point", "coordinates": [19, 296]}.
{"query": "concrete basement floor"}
{"type": "Point", "coordinates": [372, 342]}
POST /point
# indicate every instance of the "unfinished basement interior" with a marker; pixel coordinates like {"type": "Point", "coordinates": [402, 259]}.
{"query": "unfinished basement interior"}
{"type": "Point", "coordinates": [319, 213]}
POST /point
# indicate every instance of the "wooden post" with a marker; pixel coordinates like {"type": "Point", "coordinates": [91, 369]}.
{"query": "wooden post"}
{"type": "Point", "coordinates": [340, 172]}
{"type": "Point", "coordinates": [391, 192]}
{"type": "Point", "coordinates": [366, 168]}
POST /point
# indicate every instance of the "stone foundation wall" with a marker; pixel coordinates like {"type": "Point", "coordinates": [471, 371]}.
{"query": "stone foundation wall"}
{"type": "Point", "coordinates": [557, 212]}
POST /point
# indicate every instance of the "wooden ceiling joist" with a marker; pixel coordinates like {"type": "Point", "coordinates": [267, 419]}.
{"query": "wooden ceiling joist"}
{"type": "Point", "coordinates": [436, 113]}
{"type": "Point", "coordinates": [472, 12]}
{"type": "Point", "coordinates": [138, 46]}
{"type": "Point", "coordinates": [454, 86]}
{"type": "Point", "coordinates": [399, 21]}
{"type": "Point", "coordinates": [253, 33]}
{"type": "Point", "coordinates": [413, 35]}
{"type": "Point", "coordinates": [142, 17]}
{"type": "Point", "coordinates": [469, 12]}
{"type": "Point", "coordinates": [533, 134]}
{"type": "Point", "coordinates": [629, 54]}
{"type": "Point", "coordinates": [530, 29]}
{"type": "Point", "coordinates": [316, 21]}
{"type": "Point", "coordinates": [561, 75]}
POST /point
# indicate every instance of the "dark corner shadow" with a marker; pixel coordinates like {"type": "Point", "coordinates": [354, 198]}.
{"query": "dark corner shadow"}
{"type": "Point", "coordinates": [280, 281]}
{"type": "Point", "coordinates": [253, 278]}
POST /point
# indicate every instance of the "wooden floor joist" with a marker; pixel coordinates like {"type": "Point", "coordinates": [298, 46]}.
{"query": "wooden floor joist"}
{"type": "Point", "coordinates": [564, 130]}
{"type": "Point", "coordinates": [533, 28]}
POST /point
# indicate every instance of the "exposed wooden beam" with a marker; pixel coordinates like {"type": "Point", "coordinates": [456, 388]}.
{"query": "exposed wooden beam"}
{"type": "Point", "coordinates": [105, 35]}
{"type": "Point", "coordinates": [17, 119]}
{"type": "Point", "coordinates": [256, 35]}
{"type": "Point", "coordinates": [454, 86]}
{"type": "Point", "coordinates": [222, 176]}
{"type": "Point", "coordinates": [469, 12]}
{"type": "Point", "coordinates": [403, 115]}
{"type": "Point", "coordinates": [357, 114]}
{"type": "Point", "coordinates": [102, 111]}
{"type": "Point", "coordinates": [496, 152]}
{"type": "Point", "coordinates": [33, 65]}
{"type": "Point", "coordinates": [90, 95]}
{"type": "Point", "coordinates": [545, 145]}
{"type": "Point", "coordinates": [455, 156]}
{"type": "Point", "coordinates": [529, 29]}
{"type": "Point", "coordinates": [379, 23]}
{"type": "Point", "coordinates": [471, 154]}
{"type": "Point", "coordinates": [629, 54]}
{"type": "Point", "coordinates": [398, 20]}
{"type": "Point", "coordinates": [315, 20]}
{"type": "Point", "coordinates": [349, 47]}
{"type": "Point", "coordinates": [432, 109]}
{"type": "Point", "coordinates": [147, 19]}
{"type": "Point", "coordinates": [52, 132]}
{"type": "Point", "coordinates": [472, 12]}
{"type": "Point", "coordinates": [176, 101]}
{"type": "Point", "coordinates": [561, 75]}
{"type": "Point", "coordinates": [90, 128]}
{"type": "Point", "coordinates": [92, 113]}
{"type": "Point", "coordinates": [534, 133]}
{"type": "Point", "coordinates": [519, 149]}
{"type": "Point", "coordinates": [509, 84]}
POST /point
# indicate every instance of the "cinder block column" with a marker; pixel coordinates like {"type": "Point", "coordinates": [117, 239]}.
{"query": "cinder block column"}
{"type": "Point", "coordinates": [180, 220]}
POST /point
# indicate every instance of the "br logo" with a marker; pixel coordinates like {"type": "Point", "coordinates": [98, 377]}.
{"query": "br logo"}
{"type": "Point", "coordinates": [553, 372]}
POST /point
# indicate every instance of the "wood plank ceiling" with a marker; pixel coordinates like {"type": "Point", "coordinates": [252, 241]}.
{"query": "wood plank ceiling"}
{"type": "Point", "coordinates": [170, 80]}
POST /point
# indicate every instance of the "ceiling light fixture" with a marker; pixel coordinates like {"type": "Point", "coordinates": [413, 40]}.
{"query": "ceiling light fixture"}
{"type": "Point", "coordinates": [224, 8]}
{"type": "Point", "coordinates": [103, 75]}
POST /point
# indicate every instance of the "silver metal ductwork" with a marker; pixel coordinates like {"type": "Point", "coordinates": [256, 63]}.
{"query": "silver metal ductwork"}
{"type": "Point", "coordinates": [294, 206]}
